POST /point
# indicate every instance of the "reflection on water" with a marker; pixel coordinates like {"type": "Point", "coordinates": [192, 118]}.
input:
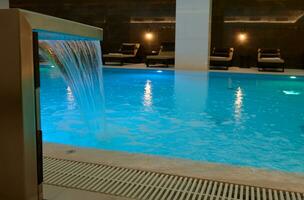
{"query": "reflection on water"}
{"type": "Point", "coordinates": [230, 83]}
{"type": "Point", "coordinates": [238, 103]}
{"type": "Point", "coordinates": [148, 94]}
{"type": "Point", "coordinates": [70, 99]}
{"type": "Point", "coordinates": [191, 91]}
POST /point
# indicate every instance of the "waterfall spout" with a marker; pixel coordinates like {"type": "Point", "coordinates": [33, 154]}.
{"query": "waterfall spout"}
{"type": "Point", "coordinates": [81, 67]}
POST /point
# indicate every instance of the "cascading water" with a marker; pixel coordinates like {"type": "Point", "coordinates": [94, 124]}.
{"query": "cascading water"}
{"type": "Point", "coordinates": [80, 64]}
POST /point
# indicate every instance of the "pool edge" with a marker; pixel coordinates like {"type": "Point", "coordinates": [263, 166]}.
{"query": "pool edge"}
{"type": "Point", "coordinates": [217, 172]}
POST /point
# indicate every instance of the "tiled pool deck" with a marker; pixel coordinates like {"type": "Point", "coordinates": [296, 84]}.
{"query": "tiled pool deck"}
{"type": "Point", "coordinates": [225, 173]}
{"type": "Point", "coordinates": [252, 70]}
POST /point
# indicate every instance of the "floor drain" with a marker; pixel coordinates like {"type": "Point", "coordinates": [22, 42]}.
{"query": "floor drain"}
{"type": "Point", "coordinates": [70, 151]}
{"type": "Point", "coordinates": [144, 185]}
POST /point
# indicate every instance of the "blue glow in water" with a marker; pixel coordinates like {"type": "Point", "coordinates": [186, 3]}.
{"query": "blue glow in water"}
{"type": "Point", "coordinates": [80, 65]}
{"type": "Point", "coordinates": [236, 119]}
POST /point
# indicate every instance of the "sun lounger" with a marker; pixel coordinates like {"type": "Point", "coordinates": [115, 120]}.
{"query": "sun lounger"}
{"type": "Point", "coordinates": [221, 58]}
{"type": "Point", "coordinates": [165, 56]}
{"type": "Point", "coordinates": [270, 59]}
{"type": "Point", "coordinates": [127, 52]}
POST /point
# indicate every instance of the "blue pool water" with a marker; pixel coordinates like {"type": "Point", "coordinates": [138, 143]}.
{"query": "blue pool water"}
{"type": "Point", "coordinates": [238, 119]}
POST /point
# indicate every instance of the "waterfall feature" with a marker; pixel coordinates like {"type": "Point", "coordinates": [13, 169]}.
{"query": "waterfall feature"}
{"type": "Point", "coordinates": [81, 67]}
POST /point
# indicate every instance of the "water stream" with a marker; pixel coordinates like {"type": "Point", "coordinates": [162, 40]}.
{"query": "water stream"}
{"type": "Point", "coordinates": [79, 62]}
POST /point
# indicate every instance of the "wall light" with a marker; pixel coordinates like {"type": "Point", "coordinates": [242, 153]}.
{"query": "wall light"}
{"type": "Point", "coordinates": [149, 36]}
{"type": "Point", "coordinates": [242, 37]}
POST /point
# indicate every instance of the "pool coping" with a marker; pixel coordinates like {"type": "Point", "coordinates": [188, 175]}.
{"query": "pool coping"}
{"type": "Point", "coordinates": [252, 70]}
{"type": "Point", "coordinates": [211, 171]}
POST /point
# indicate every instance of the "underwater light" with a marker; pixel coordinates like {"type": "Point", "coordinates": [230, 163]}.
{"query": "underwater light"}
{"type": "Point", "coordinates": [293, 77]}
{"type": "Point", "coordinates": [52, 66]}
{"type": "Point", "coordinates": [291, 92]}
{"type": "Point", "coordinates": [159, 71]}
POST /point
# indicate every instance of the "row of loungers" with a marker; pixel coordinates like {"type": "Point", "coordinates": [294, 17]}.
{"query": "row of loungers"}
{"type": "Point", "coordinates": [129, 51]}
{"type": "Point", "coordinates": [221, 58]}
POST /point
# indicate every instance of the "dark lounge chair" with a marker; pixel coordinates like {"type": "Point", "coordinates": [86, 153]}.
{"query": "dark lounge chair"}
{"type": "Point", "coordinates": [126, 53]}
{"type": "Point", "coordinates": [221, 58]}
{"type": "Point", "coordinates": [270, 59]}
{"type": "Point", "coordinates": [165, 56]}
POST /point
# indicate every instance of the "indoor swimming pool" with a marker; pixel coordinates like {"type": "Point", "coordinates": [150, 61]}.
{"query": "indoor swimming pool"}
{"type": "Point", "coordinates": [229, 118]}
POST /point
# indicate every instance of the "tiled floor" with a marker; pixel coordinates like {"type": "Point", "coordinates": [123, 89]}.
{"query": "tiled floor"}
{"type": "Point", "coordinates": [138, 66]}
{"type": "Point", "coordinates": [298, 72]}
{"type": "Point", "coordinates": [59, 193]}
{"type": "Point", "coordinates": [142, 184]}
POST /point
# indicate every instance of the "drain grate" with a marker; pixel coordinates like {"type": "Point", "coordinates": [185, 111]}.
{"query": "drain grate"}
{"type": "Point", "coordinates": [145, 185]}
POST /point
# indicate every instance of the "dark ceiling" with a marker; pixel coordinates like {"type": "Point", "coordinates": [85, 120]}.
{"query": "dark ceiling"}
{"type": "Point", "coordinates": [95, 12]}
{"type": "Point", "coordinates": [259, 10]}
{"type": "Point", "coordinates": [260, 6]}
